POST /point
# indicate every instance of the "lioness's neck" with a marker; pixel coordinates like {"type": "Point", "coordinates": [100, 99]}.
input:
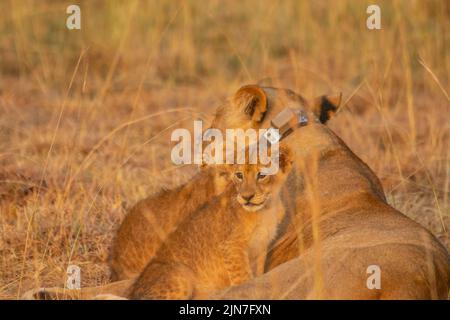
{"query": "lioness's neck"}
{"type": "Point", "coordinates": [330, 172]}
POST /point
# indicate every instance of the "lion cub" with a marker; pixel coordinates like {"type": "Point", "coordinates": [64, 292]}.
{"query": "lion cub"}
{"type": "Point", "coordinates": [215, 246]}
{"type": "Point", "coordinates": [153, 219]}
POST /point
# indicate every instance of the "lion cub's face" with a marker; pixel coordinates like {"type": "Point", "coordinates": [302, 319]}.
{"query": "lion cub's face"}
{"type": "Point", "coordinates": [254, 189]}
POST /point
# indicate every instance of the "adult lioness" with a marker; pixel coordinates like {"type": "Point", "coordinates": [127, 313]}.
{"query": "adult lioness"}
{"type": "Point", "coordinates": [344, 231]}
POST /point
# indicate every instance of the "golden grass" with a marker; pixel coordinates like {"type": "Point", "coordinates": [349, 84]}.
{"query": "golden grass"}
{"type": "Point", "coordinates": [86, 115]}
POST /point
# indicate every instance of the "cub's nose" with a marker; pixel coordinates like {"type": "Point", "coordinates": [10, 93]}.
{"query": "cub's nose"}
{"type": "Point", "coordinates": [248, 196]}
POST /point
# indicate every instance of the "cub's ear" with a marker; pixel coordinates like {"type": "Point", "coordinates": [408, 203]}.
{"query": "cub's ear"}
{"type": "Point", "coordinates": [325, 106]}
{"type": "Point", "coordinates": [251, 100]}
{"type": "Point", "coordinates": [286, 158]}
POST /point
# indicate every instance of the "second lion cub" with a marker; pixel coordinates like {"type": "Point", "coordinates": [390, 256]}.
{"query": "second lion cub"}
{"type": "Point", "coordinates": [216, 246]}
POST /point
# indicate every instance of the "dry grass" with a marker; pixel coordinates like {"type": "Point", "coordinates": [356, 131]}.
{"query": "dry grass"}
{"type": "Point", "coordinates": [86, 115]}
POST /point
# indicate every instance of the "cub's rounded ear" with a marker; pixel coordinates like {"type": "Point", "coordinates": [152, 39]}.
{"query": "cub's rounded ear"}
{"type": "Point", "coordinates": [251, 100]}
{"type": "Point", "coordinates": [326, 106]}
{"type": "Point", "coordinates": [286, 158]}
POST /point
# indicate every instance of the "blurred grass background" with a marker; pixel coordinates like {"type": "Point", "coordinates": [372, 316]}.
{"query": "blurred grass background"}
{"type": "Point", "coordinates": [86, 115]}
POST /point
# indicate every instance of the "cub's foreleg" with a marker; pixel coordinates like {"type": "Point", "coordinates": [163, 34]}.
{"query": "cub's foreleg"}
{"type": "Point", "coordinates": [237, 263]}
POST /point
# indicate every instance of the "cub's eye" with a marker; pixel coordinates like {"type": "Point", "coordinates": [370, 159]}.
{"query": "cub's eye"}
{"type": "Point", "coordinates": [261, 176]}
{"type": "Point", "coordinates": [239, 175]}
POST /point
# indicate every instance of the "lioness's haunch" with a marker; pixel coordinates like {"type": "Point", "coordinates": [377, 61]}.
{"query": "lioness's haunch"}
{"type": "Point", "coordinates": [215, 247]}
